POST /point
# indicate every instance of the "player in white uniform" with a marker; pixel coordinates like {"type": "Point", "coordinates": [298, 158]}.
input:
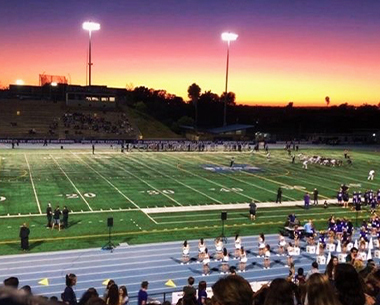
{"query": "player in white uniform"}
{"type": "Point", "coordinates": [304, 164]}
{"type": "Point", "coordinates": [371, 174]}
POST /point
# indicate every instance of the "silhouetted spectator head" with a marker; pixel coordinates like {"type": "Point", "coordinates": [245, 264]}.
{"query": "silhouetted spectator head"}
{"type": "Point", "coordinates": [11, 282]}
{"type": "Point", "coordinates": [144, 285]}
{"type": "Point", "coordinates": [190, 281]}
{"type": "Point", "coordinates": [232, 290]}
{"type": "Point", "coordinates": [113, 295]}
{"type": "Point", "coordinates": [319, 291]}
{"type": "Point", "coordinates": [348, 285]}
{"type": "Point", "coordinates": [90, 293]}
{"type": "Point", "coordinates": [280, 292]}
{"type": "Point", "coordinates": [26, 289]}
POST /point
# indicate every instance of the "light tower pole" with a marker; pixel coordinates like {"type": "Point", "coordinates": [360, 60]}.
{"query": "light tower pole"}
{"type": "Point", "coordinates": [227, 36]}
{"type": "Point", "coordinates": [90, 26]}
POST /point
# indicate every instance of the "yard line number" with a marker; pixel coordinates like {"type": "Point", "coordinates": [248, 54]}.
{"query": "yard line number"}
{"type": "Point", "coordinates": [76, 196]}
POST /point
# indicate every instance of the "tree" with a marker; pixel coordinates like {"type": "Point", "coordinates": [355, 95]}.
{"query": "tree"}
{"type": "Point", "coordinates": [194, 92]}
{"type": "Point", "coordinates": [230, 98]}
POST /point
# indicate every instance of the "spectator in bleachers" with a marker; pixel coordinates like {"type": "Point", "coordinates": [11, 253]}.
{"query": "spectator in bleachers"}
{"type": "Point", "coordinates": [280, 292]}
{"type": "Point", "coordinates": [189, 288]}
{"type": "Point", "coordinates": [331, 267]}
{"type": "Point", "coordinates": [143, 295]}
{"type": "Point", "coordinates": [113, 295]}
{"type": "Point", "coordinates": [314, 269]}
{"type": "Point", "coordinates": [232, 290]}
{"type": "Point", "coordinates": [109, 284]}
{"type": "Point", "coordinates": [68, 296]}
{"type": "Point", "coordinates": [319, 291]}
{"type": "Point", "coordinates": [348, 285]}
{"type": "Point", "coordinates": [90, 293]}
{"type": "Point", "coordinates": [12, 282]}
{"type": "Point", "coordinates": [123, 295]}
{"type": "Point", "coordinates": [202, 294]}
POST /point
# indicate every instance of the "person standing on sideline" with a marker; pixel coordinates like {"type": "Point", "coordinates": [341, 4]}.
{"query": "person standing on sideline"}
{"type": "Point", "coordinates": [232, 162]}
{"type": "Point", "coordinates": [65, 217]}
{"type": "Point", "coordinates": [49, 215]}
{"type": "Point", "coordinates": [279, 195]}
{"type": "Point", "coordinates": [56, 218]}
{"type": "Point", "coordinates": [93, 149]}
{"type": "Point", "coordinates": [24, 237]}
{"type": "Point", "coordinates": [143, 295]}
{"type": "Point", "coordinates": [315, 195]}
{"type": "Point", "coordinates": [306, 200]}
{"type": "Point", "coordinates": [252, 210]}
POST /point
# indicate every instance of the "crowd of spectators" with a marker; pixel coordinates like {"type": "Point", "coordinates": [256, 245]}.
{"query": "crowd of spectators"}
{"type": "Point", "coordinates": [340, 284]}
{"type": "Point", "coordinates": [81, 122]}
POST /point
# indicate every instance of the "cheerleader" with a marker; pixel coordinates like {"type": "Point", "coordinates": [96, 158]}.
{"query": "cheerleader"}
{"type": "Point", "coordinates": [267, 257]}
{"type": "Point", "coordinates": [281, 244]}
{"type": "Point", "coordinates": [243, 260]}
{"type": "Point", "coordinates": [185, 253]}
{"type": "Point", "coordinates": [331, 237]}
{"type": "Point", "coordinates": [218, 248]}
{"type": "Point", "coordinates": [201, 249]}
{"type": "Point", "coordinates": [297, 237]}
{"type": "Point", "coordinates": [206, 262]}
{"type": "Point", "coordinates": [237, 246]}
{"type": "Point", "coordinates": [261, 245]}
{"type": "Point", "coordinates": [339, 229]}
{"type": "Point", "coordinates": [290, 250]}
{"type": "Point", "coordinates": [225, 266]}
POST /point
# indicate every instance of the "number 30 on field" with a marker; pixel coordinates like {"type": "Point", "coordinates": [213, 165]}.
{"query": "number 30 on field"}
{"type": "Point", "coordinates": [75, 196]}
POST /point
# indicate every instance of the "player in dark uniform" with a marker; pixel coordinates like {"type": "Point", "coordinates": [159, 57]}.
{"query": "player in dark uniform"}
{"type": "Point", "coordinates": [24, 237]}
{"type": "Point", "coordinates": [93, 149]}
{"type": "Point", "coordinates": [232, 162]}
{"type": "Point", "coordinates": [315, 195]}
{"type": "Point", "coordinates": [340, 197]}
{"type": "Point", "coordinates": [49, 215]}
{"type": "Point", "coordinates": [252, 210]}
{"type": "Point", "coordinates": [279, 195]}
{"type": "Point", "coordinates": [65, 217]}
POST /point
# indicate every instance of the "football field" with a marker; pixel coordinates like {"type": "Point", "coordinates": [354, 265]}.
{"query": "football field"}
{"type": "Point", "coordinates": [158, 196]}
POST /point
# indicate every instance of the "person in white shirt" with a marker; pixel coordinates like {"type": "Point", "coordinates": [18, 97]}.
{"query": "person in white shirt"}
{"type": "Point", "coordinates": [371, 174]}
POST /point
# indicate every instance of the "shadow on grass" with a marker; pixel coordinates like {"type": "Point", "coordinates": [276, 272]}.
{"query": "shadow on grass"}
{"type": "Point", "coordinates": [35, 245]}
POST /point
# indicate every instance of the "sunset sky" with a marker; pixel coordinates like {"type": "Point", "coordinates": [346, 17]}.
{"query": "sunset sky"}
{"type": "Point", "coordinates": [287, 50]}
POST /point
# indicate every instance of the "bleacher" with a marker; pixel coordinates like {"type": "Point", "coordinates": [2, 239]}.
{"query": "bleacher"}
{"type": "Point", "coordinates": [39, 119]}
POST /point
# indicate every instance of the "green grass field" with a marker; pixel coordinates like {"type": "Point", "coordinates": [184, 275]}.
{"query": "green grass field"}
{"type": "Point", "coordinates": [111, 184]}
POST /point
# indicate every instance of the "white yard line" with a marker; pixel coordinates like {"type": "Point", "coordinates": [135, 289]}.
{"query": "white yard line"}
{"type": "Point", "coordinates": [111, 184]}
{"type": "Point", "coordinates": [34, 188]}
{"type": "Point", "coordinates": [147, 183]}
{"type": "Point", "coordinates": [218, 184]}
{"type": "Point", "coordinates": [176, 180]}
{"type": "Point", "coordinates": [72, 183]}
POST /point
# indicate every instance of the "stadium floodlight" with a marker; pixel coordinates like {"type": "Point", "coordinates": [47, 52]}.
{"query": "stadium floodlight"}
{"type": "Point", "coordinates": [54, 84]}
{"type": "Point", "coordinates": [90, 26]}
{"type": "Point", "coordinates": [19, 82]}
{"type": "Point", "coordinates": [227, 36]}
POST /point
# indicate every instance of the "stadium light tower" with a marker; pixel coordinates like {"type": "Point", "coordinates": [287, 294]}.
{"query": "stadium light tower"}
{"type": "Point", "coordinates": [90, 26]}
{"type": "Point", "coordinates": [227, 36]}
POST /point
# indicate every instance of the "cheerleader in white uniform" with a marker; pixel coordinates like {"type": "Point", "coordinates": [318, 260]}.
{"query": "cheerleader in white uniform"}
{"type": "Point", "coordinates": [267, 257]}
{"type": "Point", "coordinates": [201, 249]}
{"type": "Point", "coordinates": [237, 246]}
{"type": "Point", "coordinates": [218, 249]}
{"type": "Point", "coordinates": [261, 245]}
{"type": "Point", "coordinates": [185, 253]}
{"type": "Point", "coordinates": [206, 262]}
{"type": "Point", "coordinates": [243, 260]}
{"type": "Point", "coordinates": [226, 258]}
{"type": "Point", "coordinates": [281, 245]}
{"type": "Point", "coordinates": [290, 250]}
